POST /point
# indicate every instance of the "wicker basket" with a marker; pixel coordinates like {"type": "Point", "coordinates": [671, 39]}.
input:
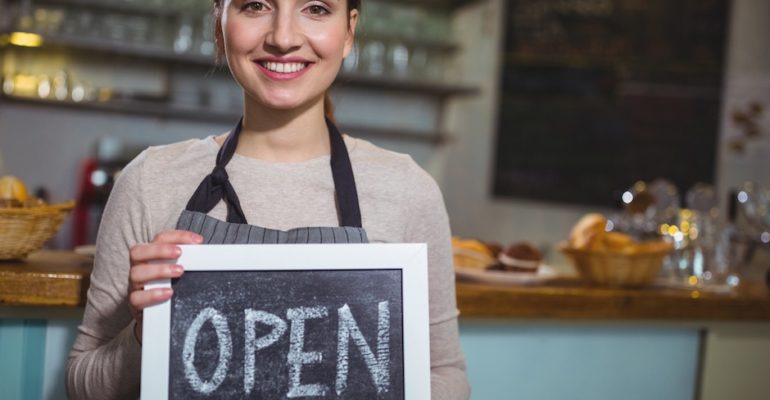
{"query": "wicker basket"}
{"type": "Point", "coordinates": [24, 230]}
{"type": "Point", "coordinates": [615, 268]}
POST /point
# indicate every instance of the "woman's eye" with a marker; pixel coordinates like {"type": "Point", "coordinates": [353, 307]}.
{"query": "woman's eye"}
{"type": "Point", "coordinates": [317, 10]}
{"type": "Point", "coordinates": [253, 6]}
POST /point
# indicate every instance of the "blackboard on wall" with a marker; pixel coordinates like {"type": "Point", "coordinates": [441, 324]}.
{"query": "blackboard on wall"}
{"type": "Point", "coordinates": [597, 94]}
{"type": "Point", "coordinates": [339, 321]}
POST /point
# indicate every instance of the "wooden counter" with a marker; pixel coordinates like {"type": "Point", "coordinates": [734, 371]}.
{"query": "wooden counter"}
{"type": "Point", "coordinates": [61, 278]}
{"type": "Point", "coordinates": [573, 300]}
{"type": "Point", "coordinates": [45, 279]}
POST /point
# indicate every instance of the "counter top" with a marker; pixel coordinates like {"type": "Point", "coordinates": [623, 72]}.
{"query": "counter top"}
{"type": "Point", "coordinates": [61, 278]}
{"type": "Point", "coordinates": [46, 278]}
{"type": "Point", "coordinates": [575, 300]}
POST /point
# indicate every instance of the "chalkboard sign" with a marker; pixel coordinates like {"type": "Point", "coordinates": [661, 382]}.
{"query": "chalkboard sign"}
{"type": "Point", "coordinates": [596, 94]}
{"type": "Point", "coordinates": [291, 321]}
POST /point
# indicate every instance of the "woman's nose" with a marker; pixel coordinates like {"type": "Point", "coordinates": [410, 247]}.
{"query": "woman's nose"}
{"type": "Point", "coordinates": [284, 34]}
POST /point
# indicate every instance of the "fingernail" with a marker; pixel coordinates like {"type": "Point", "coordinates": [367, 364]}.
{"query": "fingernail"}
{"type": "Point", "coordinates": [178, 251]}
{"type": "Point", "coordinates": [178, 269]}
{"type": "Point", "coordinates": [198, 239]}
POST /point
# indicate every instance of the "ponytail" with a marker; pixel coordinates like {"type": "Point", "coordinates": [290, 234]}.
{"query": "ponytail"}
{"type": "Point", "coordinates": [329, 108]}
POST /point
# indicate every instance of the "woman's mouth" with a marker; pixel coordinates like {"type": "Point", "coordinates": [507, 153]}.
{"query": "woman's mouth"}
{"type": "Point", "coordinates": [283, 70]}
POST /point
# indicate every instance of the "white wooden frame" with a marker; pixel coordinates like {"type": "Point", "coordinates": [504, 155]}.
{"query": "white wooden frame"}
{"type": "Point", "coordinates": [411, 259]}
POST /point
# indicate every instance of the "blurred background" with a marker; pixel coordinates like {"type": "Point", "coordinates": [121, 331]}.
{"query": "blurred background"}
{"type": "Point", "coordinates": [528, 113]}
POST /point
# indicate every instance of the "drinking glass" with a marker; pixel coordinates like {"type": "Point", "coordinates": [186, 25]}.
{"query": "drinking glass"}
{"type": "Point", "coordinates": [702, 246]}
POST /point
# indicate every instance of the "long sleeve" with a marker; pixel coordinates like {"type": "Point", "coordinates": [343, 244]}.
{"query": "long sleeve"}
{"type": "Point", "coordinates": [105, 360]}
{"type": "Point", "coordinates": [429, 223]}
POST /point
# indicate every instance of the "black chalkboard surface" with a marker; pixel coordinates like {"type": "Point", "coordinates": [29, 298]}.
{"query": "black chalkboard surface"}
{"type": "Point", "coordinates": [320, 334]}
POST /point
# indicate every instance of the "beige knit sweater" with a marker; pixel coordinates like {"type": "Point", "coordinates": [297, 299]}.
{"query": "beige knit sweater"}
{"type": "Point", "coordinates": [400, 203]}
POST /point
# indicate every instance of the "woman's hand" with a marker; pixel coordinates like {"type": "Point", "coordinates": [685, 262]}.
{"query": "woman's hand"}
{"type": "Point", "coordinates": [147, 266]}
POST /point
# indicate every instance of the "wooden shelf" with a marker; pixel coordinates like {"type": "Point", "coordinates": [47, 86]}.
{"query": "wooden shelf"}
{"type": "Point", "coordinates": [445, 4]}
{"type": "Point", "coordinates": [153, 109]}
{"type": "Point", "coordinates": [157, 10]}
{"type": "Point", "coordinates": [159, 53]}
{"type": "Point", "coordinates": [384, 82]}
{"type": "Point", "coordinates": [412, 42]}
{"type": "Point", "coordinates": [406, 85]}
{"type": "Point", "coordinates": [165, 54]}
{"type": "Point", "coordinates": [142, 108]}
{"type": "Point", "coordinates": [435, 138]}
{"type": "Point", "coordinates": [143, 9]}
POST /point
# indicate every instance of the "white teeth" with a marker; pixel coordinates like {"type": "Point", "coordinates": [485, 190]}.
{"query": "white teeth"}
{"type": "Point", "coordinates": [283, 68]}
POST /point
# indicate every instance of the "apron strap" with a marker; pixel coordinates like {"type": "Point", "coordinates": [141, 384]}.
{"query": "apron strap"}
{"type": "Point", "coordinates": [344, 183]}
{"type": "Point", "coordinates": [216, 186]}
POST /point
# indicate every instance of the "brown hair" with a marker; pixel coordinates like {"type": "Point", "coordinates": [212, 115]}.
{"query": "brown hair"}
{"type": "Point", "coordinates": [219, 41]}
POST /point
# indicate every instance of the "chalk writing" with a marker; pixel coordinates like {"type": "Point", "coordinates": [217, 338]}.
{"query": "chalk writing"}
{"type": "Point", "coordinates": [225, 351]}
{"type": "Point", "coordinates": [253, 344]}
{"type": "Point", "coordinates": [379, 367]}
{"type": "Point", "coordinates": [297, 357]}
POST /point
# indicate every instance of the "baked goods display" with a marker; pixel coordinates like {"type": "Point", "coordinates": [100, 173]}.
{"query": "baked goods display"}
{"type": "Point", "coordinates": [519, 263]}
{"type": "Point", "coordinates": [613, 258]}
{"type": "Point", "coordinates": [589, 234]}
{"type": "Point", "coordinates": [475, 254]}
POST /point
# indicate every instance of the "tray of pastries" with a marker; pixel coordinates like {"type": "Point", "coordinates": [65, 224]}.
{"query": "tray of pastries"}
{"type": "Point", "coordinates": [520, 263]}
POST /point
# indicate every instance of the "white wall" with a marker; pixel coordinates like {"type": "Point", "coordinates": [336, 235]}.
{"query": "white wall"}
{"type": "Point", "coordinates": [748, 80]}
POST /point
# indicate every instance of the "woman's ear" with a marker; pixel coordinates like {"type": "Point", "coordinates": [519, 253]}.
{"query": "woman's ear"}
{"type": "Point", "coordinates": [350, 38]}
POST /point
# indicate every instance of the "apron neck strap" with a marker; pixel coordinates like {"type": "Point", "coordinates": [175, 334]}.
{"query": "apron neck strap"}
{"type": "Point", "coordinates": [216, 186]}
{"type": "Point", "coordinates": [348, 210]}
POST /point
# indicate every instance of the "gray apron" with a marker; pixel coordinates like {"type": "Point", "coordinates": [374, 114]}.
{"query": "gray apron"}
{"type": "Point", "coordinates": [216, 187]}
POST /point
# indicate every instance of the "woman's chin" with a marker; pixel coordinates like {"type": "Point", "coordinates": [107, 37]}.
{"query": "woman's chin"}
{"type": "Point", "coordinates": [284, 103]}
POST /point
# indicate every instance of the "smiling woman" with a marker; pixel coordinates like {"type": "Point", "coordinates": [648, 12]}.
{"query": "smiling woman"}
{"type": "Point", "coordinates": [285, 166]}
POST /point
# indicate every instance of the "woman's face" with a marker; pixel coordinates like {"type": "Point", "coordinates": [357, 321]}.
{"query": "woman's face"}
{"type": "Point", "coordinates": [286, 53]}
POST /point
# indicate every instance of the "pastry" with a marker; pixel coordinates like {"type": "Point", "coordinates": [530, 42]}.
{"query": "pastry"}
{"type": "Point", "coordinates": [588, 228]}
{"type": "Point", "coordinates": [520, 257]}
{"type": "Point", "coordinates": [12, 189]}
{"type": "Point", "coordinates": [471, 253]}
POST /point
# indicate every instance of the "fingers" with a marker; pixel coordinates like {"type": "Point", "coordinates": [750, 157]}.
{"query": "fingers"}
{"type": "Point", "coordinates": [163, 247]}
{"type": "Point", "coordinates": [140, 274]}
{"type": "Point", "coordinates": [176, 236]}
{"type": "Point", "coordinates": [142, 253]}
{"type": "Point", "coordinates": [141, 299]}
